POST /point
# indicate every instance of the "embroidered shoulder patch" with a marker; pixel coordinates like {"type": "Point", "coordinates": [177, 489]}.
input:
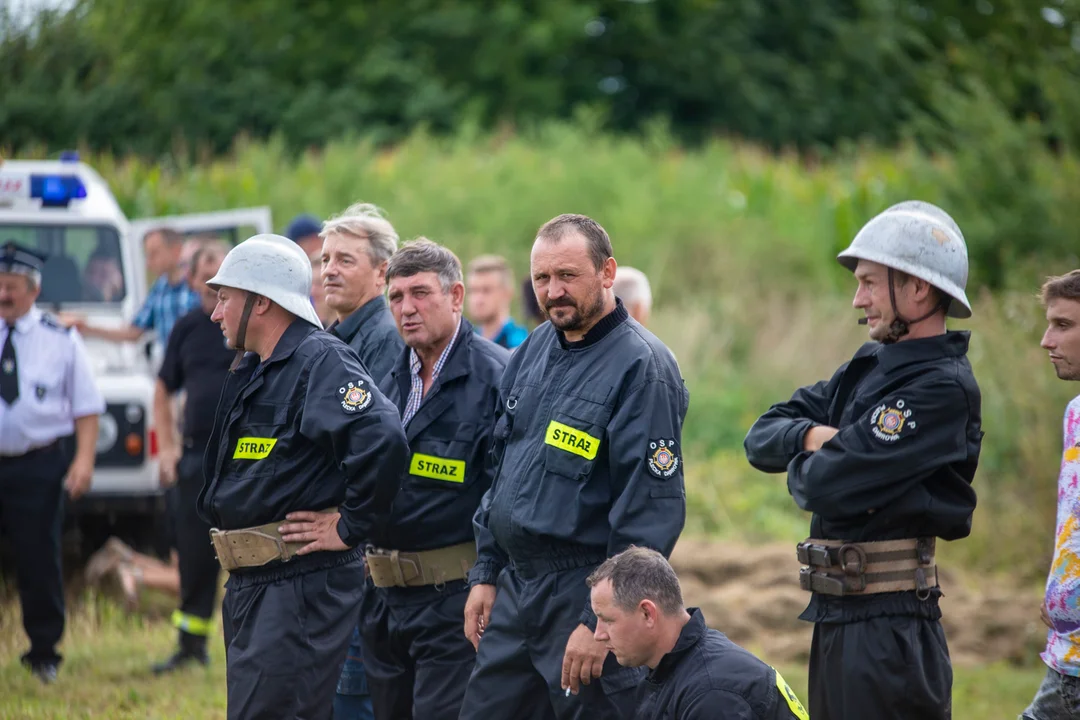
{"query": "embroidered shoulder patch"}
{"type": "Point", "coordinates": [354, 397]}
{"type": "Point", "coordinates": [663, 458]}
{"type": "Point", "coordinates": [891, 421]}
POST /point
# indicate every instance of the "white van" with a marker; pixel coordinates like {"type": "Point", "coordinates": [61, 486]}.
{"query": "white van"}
{"type": "Point", "coordinates": [95, 268]}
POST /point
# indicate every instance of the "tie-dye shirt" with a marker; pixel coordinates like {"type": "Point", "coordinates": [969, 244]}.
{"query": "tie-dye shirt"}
{"type": "Point", "coordinates": [1063, 586]}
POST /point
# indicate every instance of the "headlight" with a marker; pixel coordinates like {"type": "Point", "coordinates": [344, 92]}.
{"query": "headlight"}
{"type": "Point", "coordinates": [107, 433]}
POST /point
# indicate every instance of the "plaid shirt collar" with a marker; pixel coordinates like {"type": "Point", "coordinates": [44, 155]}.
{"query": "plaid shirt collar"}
{"type": "Point", "coordinates": [416, 387]}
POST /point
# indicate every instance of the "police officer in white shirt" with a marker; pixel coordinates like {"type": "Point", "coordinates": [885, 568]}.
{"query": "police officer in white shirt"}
{"type": "Point", "coordinates": [47, 393]}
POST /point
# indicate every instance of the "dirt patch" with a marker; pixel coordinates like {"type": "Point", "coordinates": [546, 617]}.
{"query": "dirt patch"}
{"type": "Point", "coordinates": [752, 594]}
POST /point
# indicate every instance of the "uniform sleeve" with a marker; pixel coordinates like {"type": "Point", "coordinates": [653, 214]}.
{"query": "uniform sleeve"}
{"type": "Point", "coordinates": [348, 416]}
{"type": "Point", "coordinates": [884, 453]}
{"type": "Point", "coordinates": [490, 558]}
{"type": "Point", "coordinates": [172, 372]}
{"type": "Point", "coordinates": [85, 397]}
{"type": "Point", "coordinates": [777, 436]}
{"type": "Point", "coordinates": [645, 456]}
{"type": "Point", "coordinates": [714, 704]}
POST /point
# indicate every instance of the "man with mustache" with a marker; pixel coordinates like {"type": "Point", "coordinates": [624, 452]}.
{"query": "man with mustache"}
{"type": "Point", "coordinates": [883, 455]}
{"type": "Point", "coordinates": [1056, 697]}
{"type": "Point", "coordinates": [47, 393]}
{"type": "Point", "coordinates": [300, 427]}
{"type": "Point", "coordinates": [587, 446]}
{"type": "Point", "coordinates": [446, 388]}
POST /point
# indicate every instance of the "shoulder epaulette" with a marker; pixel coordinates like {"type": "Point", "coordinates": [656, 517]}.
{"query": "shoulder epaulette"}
{"type": "Point", "coordinates": [49, 321]}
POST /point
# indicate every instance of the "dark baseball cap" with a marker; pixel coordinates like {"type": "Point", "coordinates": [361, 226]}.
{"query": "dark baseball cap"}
{"type": "Point", "coordinates": [302, 226]}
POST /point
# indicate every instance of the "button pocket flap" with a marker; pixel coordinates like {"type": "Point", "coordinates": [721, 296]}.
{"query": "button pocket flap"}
{"type": "Point", "coordinates": [671, 490]}
{"type": "Point", "coordinates": [565, 463]}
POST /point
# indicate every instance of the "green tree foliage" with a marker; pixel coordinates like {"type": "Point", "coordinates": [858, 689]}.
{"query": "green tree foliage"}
{"type": "Point", "coordinates": [136, 76]}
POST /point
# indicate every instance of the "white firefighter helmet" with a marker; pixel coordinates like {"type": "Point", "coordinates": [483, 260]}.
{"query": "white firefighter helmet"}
{"type": "Point", "coordinates": [920, 239]}
{"type": "Point", "coordinates": [274, 267]}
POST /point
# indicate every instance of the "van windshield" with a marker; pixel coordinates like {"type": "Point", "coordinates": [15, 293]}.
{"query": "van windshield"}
{"type": "Point", "coordinates": [83, 262]}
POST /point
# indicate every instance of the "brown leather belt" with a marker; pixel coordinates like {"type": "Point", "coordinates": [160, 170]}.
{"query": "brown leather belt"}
{"type": "Point", "coordinates": [254, 546]}
{"type": "Point", "coordinates": [837, 567]}
{"type": "Point", "coordinates": [398, 568]}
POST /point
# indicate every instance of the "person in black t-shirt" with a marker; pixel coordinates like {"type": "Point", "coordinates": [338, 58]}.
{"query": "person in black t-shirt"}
{"type": "Point", "coordinates": [196, 362]}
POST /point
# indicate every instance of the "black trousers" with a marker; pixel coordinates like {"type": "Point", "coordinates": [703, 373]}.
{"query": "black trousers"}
{"type": "Point", "coordinates": [31, 511]}
{"type": "Point", "coordinates": [286, 632]}
{"type": "Point", "coordinates": [887, 668]}
{"type": "Point", "coordinates": [199, 568]}
{"type": "Point", "coordinates": [518, 671]}
{"type": "Point", "coordinates": [416, 655]}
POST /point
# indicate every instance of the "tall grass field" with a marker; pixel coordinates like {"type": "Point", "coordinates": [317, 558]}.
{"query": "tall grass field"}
{"type": "Point", "coordinates": [740, 247]}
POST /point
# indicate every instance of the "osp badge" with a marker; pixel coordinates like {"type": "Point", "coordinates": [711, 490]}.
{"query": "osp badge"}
{"type": "Point", "coordinates": [353, 397]}
{"type": "Point", "coordinates": [888, 422]}
{"type": "Point", "coordinates": [662, 458]}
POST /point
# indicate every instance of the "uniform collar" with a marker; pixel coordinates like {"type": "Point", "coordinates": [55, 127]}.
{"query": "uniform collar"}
{"type": "Point", "coordinates": [896, 355]}
{"type": "Point", "coordinates": [690, 636]}
{"type": "Point", "coordinates": [347, 328]}
{"type": "Point", "coordinates": [27, 321]}
{"type": "Point", "coordinates": [286, 345]}
{"type": "Point", "coordinates": [457, 362]}
{"type": "Point", "coordinates": [598, 331]}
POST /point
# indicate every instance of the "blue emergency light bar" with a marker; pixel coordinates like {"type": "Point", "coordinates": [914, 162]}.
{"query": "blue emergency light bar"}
{"type": "Point", "coordinates": [56, 190]}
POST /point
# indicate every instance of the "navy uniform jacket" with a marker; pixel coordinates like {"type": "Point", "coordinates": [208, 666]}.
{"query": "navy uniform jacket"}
{"type": "Point", "coordinates": [587, 443]}
{"type": "Point", "coordinates": [305, 430]}
{"type": "Point", "coordinates": [708, 677]}
{"type": "Point", "coordinates": [450, 442]}
{"type": "Point", "coordinates": [371, 332]}
{"type": "Point", "coordinates": [909, 415]}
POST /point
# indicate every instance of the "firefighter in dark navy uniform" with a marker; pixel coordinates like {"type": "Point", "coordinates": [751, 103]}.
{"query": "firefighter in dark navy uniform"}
{"type": "Point", "coordinates": [884, 455]}
{"type": "Point", "coordinates": [587, 442]}
{"type": "Point", "coordinates": [695, 673]}
{"type": "Point", "coordinates": [47, 393]}
{"type": "Point", "coordinates": [445, 386]}
{"type": "Point", "coordinates": [305, 458]}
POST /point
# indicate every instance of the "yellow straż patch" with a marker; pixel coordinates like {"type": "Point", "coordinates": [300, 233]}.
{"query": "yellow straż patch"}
{"type": "Point", "coordinates": [437, 468]}
{"type": "Point", "coordinates": [572, 440]}
{"type": "Point", "coordinates": [253, 448]}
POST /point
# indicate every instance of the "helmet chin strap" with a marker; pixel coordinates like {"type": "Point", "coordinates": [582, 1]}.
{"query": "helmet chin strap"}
{"type": "Point", "coordinates": [900, 327]}
{"type": "Point", "coordinates": [241, 331]}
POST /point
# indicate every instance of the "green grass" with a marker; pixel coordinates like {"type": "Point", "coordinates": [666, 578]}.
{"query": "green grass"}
{"type": "Point", "coordinates": [108, 655]}
{"type": "Point", "coordinates": [740, 246]}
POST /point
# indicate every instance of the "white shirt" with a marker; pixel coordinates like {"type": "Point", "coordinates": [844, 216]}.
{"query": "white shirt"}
{"type": "Point", "coordinates": [56, 385]}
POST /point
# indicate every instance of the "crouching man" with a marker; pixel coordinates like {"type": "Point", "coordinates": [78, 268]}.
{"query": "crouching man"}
{"type": "Point", "coordinates": [694, 673]}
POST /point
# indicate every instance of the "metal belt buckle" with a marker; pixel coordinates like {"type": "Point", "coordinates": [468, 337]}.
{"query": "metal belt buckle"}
{"type": "Point", "coordinates": [820, 582]}
{"type": "Point", "coordinates": [852, 559]}
{"type": "Point", "coordinates": [814, 555]}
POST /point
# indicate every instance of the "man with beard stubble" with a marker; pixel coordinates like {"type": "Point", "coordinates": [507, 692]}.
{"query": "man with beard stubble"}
{"type": "Point", "coordinates": [587, 451]}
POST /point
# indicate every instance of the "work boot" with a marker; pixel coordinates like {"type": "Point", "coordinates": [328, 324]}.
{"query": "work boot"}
{"type": "Point", "coordinates": [181, 659]}
{"type": "Point", "coordinates": [191, 649]}
{"type": "Point", "coordinates": [45, 671]}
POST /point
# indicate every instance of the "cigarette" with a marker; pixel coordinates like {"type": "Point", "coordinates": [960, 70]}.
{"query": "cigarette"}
{"type": "Point", "coordinates": [567, 692]}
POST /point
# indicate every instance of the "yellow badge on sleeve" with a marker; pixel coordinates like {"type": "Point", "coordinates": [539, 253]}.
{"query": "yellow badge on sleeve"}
{"type": "Point", "coordinates": [572, 440]}
{"type": "Point", "coordinates": [790, 698]}
{"type": "Point", "coordinates": [253, 448]}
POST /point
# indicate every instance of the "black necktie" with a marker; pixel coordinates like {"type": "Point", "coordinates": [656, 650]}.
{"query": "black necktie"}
{"type": "Point", "coordinates": [9, 371]}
